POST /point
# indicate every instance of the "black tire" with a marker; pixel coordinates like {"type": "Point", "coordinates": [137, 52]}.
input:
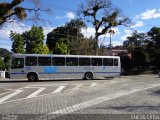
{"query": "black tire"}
{"type": "Point", "coordinates": [32, 77]}
{"type": "Point", "coordinates": [88, 76]}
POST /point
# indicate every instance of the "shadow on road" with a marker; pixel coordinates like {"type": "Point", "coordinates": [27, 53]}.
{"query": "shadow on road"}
{"type": "Point", "coordinates": [130, 108]}
{"type": "Point", "coordinates": [144, 108]}
{"type": "Point", "coordinates": [56, 80]}
{"type": "Point", "coordinates": [155, 92]}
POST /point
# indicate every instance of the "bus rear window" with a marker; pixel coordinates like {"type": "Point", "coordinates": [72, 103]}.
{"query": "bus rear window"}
{"type": "Point", "coordinates": [115, 62]}
{"type": "Point", "coordinates": [17, 63]}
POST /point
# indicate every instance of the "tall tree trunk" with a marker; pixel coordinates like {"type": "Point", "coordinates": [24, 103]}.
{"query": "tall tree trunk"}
{"type": "Point", "coordinates": [96, 44]}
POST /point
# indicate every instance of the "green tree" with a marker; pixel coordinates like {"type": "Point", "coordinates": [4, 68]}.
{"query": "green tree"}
{"type": "Point", "coordinates": [3, 52]}
{"type": "Point", "coordinates": [140, 57]}
{"type": "Point", "coordinates": [14, 10]}
{"type": "Point", "coordinates": [61, 47]}
{"type": "Point", "coordinates": [55, 35]}
{"type": "Point", "coordinates": [17, 42]}
{"type": "Point", "coordinates": [154, 34]}
{"type": "Point", "coordinates": [34, 40]}
{"type": "Point", "coordinates": [70, 33]}
{"type": "Point", "coordinates": [102, 15]}
{"type": "Point", "coordinates": [41, 49]}
{"type": "Point", "coordinates": [137, 39]}
{"type": "Point", "coordinates": [85, 46]}
{"type": "Point", "coordinates": [2, 65]}
{"type": "Point", "coordinates": [6, 60]}
{"type": "Point", "coordinates": [153, 47]}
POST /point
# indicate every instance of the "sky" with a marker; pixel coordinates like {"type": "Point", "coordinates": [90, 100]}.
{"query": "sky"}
{"type": "Point", "coordinates": [144, 15]}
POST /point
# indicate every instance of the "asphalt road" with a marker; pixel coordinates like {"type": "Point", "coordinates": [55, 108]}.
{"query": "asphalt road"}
{"type": "Point", "coordinates": [120, 98]}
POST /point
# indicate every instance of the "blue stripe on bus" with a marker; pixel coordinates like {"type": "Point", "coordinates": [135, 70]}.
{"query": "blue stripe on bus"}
{"type": "Point", "coordinates": [65, 72]}
{"type": "Point", "coordinates": [50, 70]}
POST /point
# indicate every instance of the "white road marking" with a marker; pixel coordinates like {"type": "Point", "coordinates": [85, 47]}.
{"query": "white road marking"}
{"type": "Point", "coordinates": [77, 87]}
{"type": "Point", "coordinates": [32, 87]}
{"type": "Point", "coordinates": [149, 87]}
{"type": "Point", "coordinates": [93, 84]}
{"type": "Point", "coordinates": [5, 93]}
{"type": "Point", "coordinates": [114, 81]}
{"type": "Point", "coordinates": [10, 95]}
{"type": "Point", "coordinates": [99, 100]}
{"type": "Point", "coordinates": [46, 85]}
{"type": "Point", "coordinates": [35, 93]}
{"type": "Point", "coordinates": [59, 89]}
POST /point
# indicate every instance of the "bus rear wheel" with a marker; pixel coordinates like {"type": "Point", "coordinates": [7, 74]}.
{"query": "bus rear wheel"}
{"type": "Point", "coordinates": [32, 77]}
{"type": "Point", "coordinates": [88, 76]}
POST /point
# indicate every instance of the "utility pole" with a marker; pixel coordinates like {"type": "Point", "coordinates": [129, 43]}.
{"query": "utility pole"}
{"type": "Point", "coordinates": [111, 32]}
{"type": "Point", "coordinates": [110, 52]}
{"type": "Point", "coordinates": [68, 42]}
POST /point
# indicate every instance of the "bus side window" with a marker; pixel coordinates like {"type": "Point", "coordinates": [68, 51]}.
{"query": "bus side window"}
{"type": "Point", "coordinates": [17, 63]}
{"type": "Point", "coordinates": [44, 61]}
{"type": "Point", "coordinates": [31, 61]}
{"type": "Point", "coordinates": [71, 61]}
{"type": "Point", "coordinates": [96, 61]}
{"type": "Point", "coordinates": [58, 61]}
{"type": "Point", "coordinates": [84, 61]}
{"type": "Point", "coordinates": [107, 61]}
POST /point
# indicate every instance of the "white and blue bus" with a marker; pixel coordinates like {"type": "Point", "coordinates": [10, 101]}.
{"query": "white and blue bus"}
{"type": "Point", "coordinates": [40, 66]}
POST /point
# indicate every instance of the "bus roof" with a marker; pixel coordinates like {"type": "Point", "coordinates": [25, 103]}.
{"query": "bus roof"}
{"type": "Point", "coordinates": [56, 55]}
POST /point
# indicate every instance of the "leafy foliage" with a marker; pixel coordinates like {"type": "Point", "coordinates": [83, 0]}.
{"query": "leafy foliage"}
{"type": "Point", "coordinates": [68, 36]}
{"type": "Point", "coordinates": [61, 47]}
{"type": "Point", "coordinates": [17, 42]}
{"type": "Point", "coordinates": [34, 40]}
{"type": "Point", "coordinates": [2, 65]}
{"type": "Point", "coordinates": [3, 52]}
{"type": "Point", "coordinates": [29, 42]}
{"type": "Point", "coordinates": [145, 48]}
{"type": "Point", "coordinates": [13, 10]}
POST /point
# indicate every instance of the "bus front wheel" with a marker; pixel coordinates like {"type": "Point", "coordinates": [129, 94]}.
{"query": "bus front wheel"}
{"type": "Point", "coordinates": [89, 76]}
{"type": "Point", "coordinates": [32, 77]}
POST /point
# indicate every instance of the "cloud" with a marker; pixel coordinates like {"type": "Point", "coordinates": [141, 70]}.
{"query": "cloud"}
{"type": "Point", "coordinates": [117, 43]}
{"type": "Point", "coordinates": [88, 32]}
{"type": "Point", "coordinates": [68, 16]}
{"type": "Point", "coordinates": [59, 17]}
{"type": "Point", "coordinates": [138, 24]}
{"type": "Point", "coordinates": [149, 14]}
{"type": "Point", "coordinates": [127, 33]}
{"type": "Point", "coordinates": [17, 27]}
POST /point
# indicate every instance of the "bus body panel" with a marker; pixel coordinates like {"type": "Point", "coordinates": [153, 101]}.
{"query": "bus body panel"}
{"type": "Point", "coordinates": [64, 72]}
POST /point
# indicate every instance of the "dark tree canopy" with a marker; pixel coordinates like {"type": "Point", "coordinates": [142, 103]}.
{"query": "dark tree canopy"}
{"type": "Point", "coordinates": [70, 32]}
{"type": "Point", "coordinates": [154, 33]}
{"type": "Point", "coordinates": [10, 11]}
{"type": "Point", "coordinates": [3, 52]}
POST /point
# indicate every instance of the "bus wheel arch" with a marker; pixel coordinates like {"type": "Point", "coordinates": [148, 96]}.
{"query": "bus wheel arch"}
{"type": "Point", "coordinates": [32, 76]}
{"type": "Point", "coordinates": [88, 75]}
